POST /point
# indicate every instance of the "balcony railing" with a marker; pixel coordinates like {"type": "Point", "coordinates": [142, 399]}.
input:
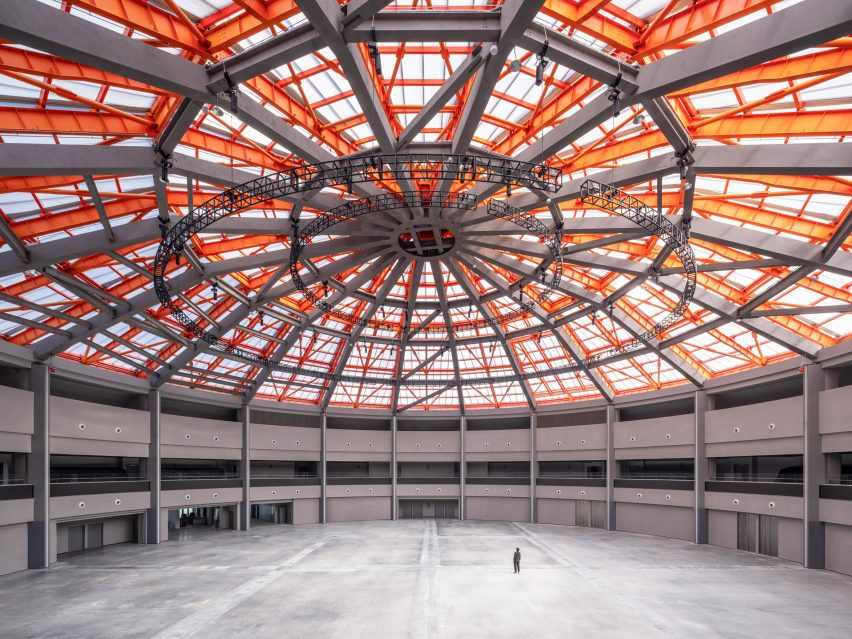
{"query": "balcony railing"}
{"type": "Point", "coordinates": [83, 478]}
{"type": "Point", "coordinates": [761, 478]}
{"type": "Point", "coordinates": [673, 475]}
{"type": "Point", "coordinates": [428, 479]}
{"type": "Point", "coordinates": [12, 479]}
{"type": "Point", "coordinates": [171, 475]}
{"type": "Point", "coordinates": [842, 480]}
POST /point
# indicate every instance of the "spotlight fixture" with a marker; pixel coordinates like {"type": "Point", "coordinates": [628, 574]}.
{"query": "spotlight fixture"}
{"type": "Point", "coordinates": [492, 50]}
{"type": "Point", "coordinates": [165, 163]}
{"type": "Point", "coordinates": [614, 95]}
{"type": "Point", "coordinates": [215, 287]}
{"type": "Point", "coordinates": [515, 65]}
{"type": "Point", "coordinates": [373, 49]}
{"type": "Point", "coordinates": [639, 118]}
{"type": "Point", "coordinates": [541, 65]}
{"type": "Point", "coordinates": [232, 93]}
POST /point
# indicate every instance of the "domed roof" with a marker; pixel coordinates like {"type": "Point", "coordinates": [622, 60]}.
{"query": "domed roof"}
{"type": "Point", "coordinates": [728, 120]}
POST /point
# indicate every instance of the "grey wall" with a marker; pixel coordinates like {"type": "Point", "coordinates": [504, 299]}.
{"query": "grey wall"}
{"type": "Point", "coordinates": [651, 519]}
{"type": "Point", "coordinates": [358, 508]}
{"type": "Point", "coordinates": [498, 509]}
{"type": "Point", "coordinates": [13, 542]}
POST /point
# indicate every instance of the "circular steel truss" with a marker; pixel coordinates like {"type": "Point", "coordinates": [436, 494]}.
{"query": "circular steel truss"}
{"type": "Point", "coordinates": [617, 201]}
{"type": "Point", "coordinates": [460, 168]}
{"type": "Point", "coordinates": [320, 225]}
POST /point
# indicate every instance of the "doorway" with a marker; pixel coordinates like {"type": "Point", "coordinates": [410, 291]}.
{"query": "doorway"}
{"type": "Point", "coordinates": [428, 509]}
{"type": "Point", "coordinates": [757, 533]}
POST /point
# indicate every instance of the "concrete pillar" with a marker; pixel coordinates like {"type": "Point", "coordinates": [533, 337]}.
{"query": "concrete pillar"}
{"type": "Point", "coordinates": [700, 467]}
{"type": "Point", "coordinates": [152, 534]}
{"type": "Point", "coordinates": [610, 467]}
{"type": "Point", "coordinates": [462, 465]}
{"type": "Point", "coordinates": [322, 468]}
{"type": "Point", "coordinates": [245, 469]}
{"type": "Point", "coordinates": [38, 469]}
{"type": "Point", "coordinates": [394, 504]}
{"type": "Point", "coordinates": [533, 469]}
{"type": "Point", "coordinates": [814, 468]}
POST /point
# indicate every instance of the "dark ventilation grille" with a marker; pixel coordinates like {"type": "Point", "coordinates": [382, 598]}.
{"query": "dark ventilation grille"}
{"type": "Point", "coordinates": [88, 392]}
{"type": "Point", "coordinates": [427, 424]}
{"type": "Point", "coordinates": [658, 409]}
{"type": "Point", "coordinates": [572, 419]}
{"type": "Point", "coordinates": [171, 406]}
{"type": "Point", "coordinates": [762, 392]}
{"type": "Point", "coordinates": [352, 423]}
{"type": "Point", "coordinates": [498, 424]}
{"type": "Point", "coordinates": [285, 419]}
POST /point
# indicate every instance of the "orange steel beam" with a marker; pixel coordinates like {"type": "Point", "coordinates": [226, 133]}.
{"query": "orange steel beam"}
{"type": "Point", "coordinates": [59, 122]}
{"type": "Point", "coordinates": [146, 18]}
{"type": "Point", "coordinates": [802, 124]}
{"type": "Point", "coordinates": [70, 95]}
{"type": "Point", "coordinates": [189, 23]}
{"type": "Point", "coordinates": [787, 69]}
{"type": "Point", "coordinates": [240, 27]}
{"type": "Point", "coordinates": [699, 18]}
{"type": "Point", "coordinates": [296, 113]}
{"type": "Point", "coordinates": [37, 63]}
{"type": "Point", "coordinates": [772, 97]}
{"type": "Point", "coordinates": [646, 32]}
{"type": "Point", "coordinates": [804, 183]}
{"type": "Point", "coordinates": [609, 31]}
{"type": "Point", "coordinates": [554, 109]}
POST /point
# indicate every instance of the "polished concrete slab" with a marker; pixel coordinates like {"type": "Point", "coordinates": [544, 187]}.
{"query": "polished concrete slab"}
{"type": "Point", "coordinates": [424, 579]}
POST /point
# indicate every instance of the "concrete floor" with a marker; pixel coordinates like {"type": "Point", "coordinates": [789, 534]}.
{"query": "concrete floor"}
{"type": "Point", "coordinates": [422, 579]}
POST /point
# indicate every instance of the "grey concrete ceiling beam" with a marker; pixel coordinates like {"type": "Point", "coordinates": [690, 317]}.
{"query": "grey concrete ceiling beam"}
{"type": "Point", "coordinates": [139, 303]}
{"type": "Point", "coordinates": [73, 159]}
{"type": "Point", "coordinates": [442, 96]}
{"type": "Point", "coordinates": [277, 51]}
{"type": "Point", "coordinates": [71, 248]}
{"type": "Point", "coordinates": [99, 207]}
{"type": "Point", "coordinates": [355, 332]}
{"type": "Point", "coordinates": [515, 17]}
{"type": "Point", "coordinates": [53, 31]}
{"type": "Point", "coordinates": [440, 289]}
{"type": "Point", "coordinates": [809, 158]}
{"type": "Point", "coordinates": [573, 54]}
{"type": "Point", "coordinates": [768, 329]}
{"type": "Point", "coordinates": [793, 29]}
{"type": "Point", "coordinates": [474, 297]}
{"type": "Point", "coordinates": [408, 314]}
{"type": "Point", "coordinates": [786, 249]}
{"type": "Point", "coordinates": [560, 333]}
{"type": "Point", "coordinates": [359, 11]}
{"type": "Point", "coordinates": [429, 26]}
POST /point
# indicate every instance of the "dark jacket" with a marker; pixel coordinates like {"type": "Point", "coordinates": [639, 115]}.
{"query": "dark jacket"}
{"type": "Point", "coordinates": [517, 557]}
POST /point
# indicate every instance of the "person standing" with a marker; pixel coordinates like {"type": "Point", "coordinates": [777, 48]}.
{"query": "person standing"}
{"type": "Point", "coordinates": [516, 559]}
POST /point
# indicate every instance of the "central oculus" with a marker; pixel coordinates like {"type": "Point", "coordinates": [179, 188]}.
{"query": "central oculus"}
{"type": "Point", "coordinates": [426, 240]}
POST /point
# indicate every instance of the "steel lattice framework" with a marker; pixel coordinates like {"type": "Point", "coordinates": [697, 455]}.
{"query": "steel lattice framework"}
{"type": "Point", "coordinates": [725, 120]}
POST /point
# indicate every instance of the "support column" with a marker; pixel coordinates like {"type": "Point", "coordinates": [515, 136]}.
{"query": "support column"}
{"type": "Point", "coordinates": [394, 505]}
{"type": "Point", "coordinates": [462, 465]}
{"type": "Point", "coordinates": [245, 469]}
{"type": "Point", "coordinates": [533, 424]}
{"type": "Point", "coordinates": [814, 468]}
{"type": "Point", "coordinates": [700, 467]}
{"type": "Point", "coordinates": [322, 468]}
{"type": "Point", "coordinates": [610, 467]}
{"type": "Point", "coordinates": [152, 518]}
{"type": "Point", "coordinates": [38, 469]}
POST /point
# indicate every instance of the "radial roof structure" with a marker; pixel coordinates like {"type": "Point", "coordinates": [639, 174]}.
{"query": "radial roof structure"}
{"type": "Point", "coordinates": [728, 117]}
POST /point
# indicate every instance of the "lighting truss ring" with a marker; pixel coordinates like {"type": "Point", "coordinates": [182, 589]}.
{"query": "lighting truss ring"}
{"type": "Point", "coordinates": [617, 201]}
{"type": "Point", "coordinates": [387, 202]}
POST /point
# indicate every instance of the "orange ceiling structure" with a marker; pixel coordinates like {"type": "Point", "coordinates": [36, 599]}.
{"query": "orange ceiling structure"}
{"type": "Point", "coordinates": [754, 97]}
